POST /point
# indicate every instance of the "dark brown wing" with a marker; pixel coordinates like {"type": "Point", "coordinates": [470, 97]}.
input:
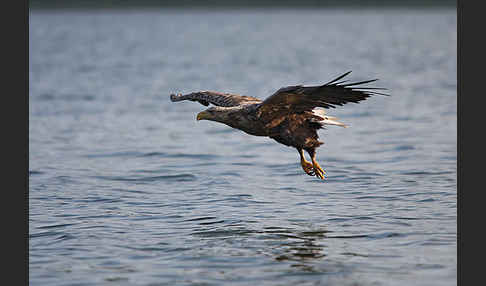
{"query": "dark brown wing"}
{"type": "Point", "coordinates": [295, 99]}
{"type": "Point", "coordinates": [216, 98]}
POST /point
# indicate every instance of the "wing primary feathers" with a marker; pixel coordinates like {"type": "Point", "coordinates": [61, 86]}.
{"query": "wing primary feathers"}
{"type": "Point", "coordinates": [335, 82]}
{"type": "Point", "coordinates": [215, 98]}
{"type": "Point", "coordinates": [379, 93]}
{"type": "Point", "coordinates": [338, 83]}
{"type": "Point", "coordinates": [338, 78]}
{"type": "Point", "coordinates": [374, 88]}
{"type": "Point", "coordinates": [353, 87]}
{"type": "Point", "coordinates": [360, 82]}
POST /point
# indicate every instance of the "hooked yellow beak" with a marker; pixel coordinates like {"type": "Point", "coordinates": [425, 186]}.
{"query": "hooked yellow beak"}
{"type": "Point", "coordinates": [203, 115]}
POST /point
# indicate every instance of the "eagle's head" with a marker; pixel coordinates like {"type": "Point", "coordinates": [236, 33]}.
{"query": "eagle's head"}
{"type": "Point", "coordinates": [215, 113]}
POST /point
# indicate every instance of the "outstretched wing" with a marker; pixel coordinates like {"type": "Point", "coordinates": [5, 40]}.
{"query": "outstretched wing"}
{"type": "Point", "coordinates": [216, 98]}
{"type": "Point", "coordinates": [295, 99]}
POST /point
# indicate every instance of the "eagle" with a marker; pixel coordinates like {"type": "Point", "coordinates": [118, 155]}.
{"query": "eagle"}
{"type": "Point", "coordinates": [291, 116]}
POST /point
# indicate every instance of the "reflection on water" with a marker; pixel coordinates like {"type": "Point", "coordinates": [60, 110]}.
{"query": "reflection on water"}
{"type": "Point", "coordinates": [297, 245]}
{"type": "Point", "coordinates": [298, 248]}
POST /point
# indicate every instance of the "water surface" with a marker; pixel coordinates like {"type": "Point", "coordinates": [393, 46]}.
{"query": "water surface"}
{"type": "Point", "coordinates": [127, 188]}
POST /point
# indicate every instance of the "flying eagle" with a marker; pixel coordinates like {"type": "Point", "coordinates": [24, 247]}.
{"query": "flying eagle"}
{"type": "Point", "coordinates": [290, 116]}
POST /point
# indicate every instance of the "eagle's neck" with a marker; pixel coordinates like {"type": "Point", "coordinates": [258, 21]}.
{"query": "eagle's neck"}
{"type": "Point", "coordinates": [241, 118]}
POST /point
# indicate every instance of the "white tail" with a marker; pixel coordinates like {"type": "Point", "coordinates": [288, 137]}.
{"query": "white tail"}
{"type": "Point", "coordinates": [327, 120]}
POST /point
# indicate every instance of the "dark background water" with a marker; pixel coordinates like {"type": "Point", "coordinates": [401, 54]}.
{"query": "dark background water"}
{"type": "Point", "coordinates": [127, 188]}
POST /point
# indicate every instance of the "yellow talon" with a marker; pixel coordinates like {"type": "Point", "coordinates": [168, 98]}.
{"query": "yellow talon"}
{"type": "Point", "coordinates": [312, 169]}
{"type": "Point", "coordinates": [308, 167]}
{"type": "Point", "coordinates": [318, 170]}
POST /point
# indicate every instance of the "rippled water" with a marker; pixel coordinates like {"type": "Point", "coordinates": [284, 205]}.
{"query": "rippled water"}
{"type": "Point", "coordinates": [126, 187]}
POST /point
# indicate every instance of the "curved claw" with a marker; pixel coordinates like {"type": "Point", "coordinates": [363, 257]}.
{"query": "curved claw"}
{"type": "Point", "coordinates": [320, 173]}
{"type": "Point", "coordinates": [311, 169]}
{"type": "Point", "coordinates": [308, 168]}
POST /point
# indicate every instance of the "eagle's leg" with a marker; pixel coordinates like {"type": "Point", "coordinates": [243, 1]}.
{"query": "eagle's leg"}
{"type": "Point", "coordinates": [316, 167]}
{"type": "Point", "coordinates": [306, 165]}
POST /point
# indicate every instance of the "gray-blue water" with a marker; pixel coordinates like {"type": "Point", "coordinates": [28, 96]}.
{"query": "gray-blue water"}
{"type": "Point", "coordinates": [126, 188]}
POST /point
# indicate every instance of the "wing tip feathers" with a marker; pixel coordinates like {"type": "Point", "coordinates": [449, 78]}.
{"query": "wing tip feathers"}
{"type": "Point", "coordinates": [174, 97]}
